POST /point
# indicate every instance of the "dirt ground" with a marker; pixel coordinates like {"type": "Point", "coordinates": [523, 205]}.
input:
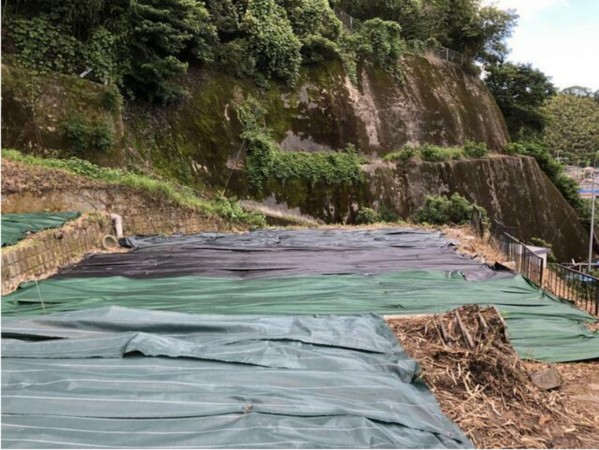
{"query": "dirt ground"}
{"type": "Point", "coordinates": [19, 177]}
{"type": "Point", "coordinates": [487, 389]}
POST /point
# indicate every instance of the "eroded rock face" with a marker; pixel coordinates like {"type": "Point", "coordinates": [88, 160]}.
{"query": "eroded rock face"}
{"type": "Point", "coordinates": [513, 190]}
{"type": "Point", "coordinates": [195, 140]}
{"type": "Point", "coordinates": [437, 102]}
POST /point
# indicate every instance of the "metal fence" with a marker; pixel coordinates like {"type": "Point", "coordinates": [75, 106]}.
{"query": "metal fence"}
{"type": "Point", "coordinates": [444, 53]}
{"type": "Point", "coordinates": [574, 285]}
{"type": "Point", "coordinates": [526, 261]}
{"type": "Point", "coordinates": [447, 54]}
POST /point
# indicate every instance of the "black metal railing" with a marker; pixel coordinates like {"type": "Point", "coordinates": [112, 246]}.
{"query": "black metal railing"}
{"type": "Point", "coordinates": [526, 261]}
{"type": "Point", "coordinates": [573, 285]}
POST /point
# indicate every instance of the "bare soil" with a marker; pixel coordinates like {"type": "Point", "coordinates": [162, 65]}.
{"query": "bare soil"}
{"type": "Point", "coordinates": [19, 177]}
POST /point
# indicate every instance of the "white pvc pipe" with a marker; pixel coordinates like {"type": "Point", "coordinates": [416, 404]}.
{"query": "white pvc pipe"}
{"type": "Point", "coordinates": [118, 225]}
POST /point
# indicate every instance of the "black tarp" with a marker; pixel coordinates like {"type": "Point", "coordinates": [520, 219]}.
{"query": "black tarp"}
{"type": "Point", "coordinates": [280, 253]}
{"type": "Point", "coordinates": [119, 377]}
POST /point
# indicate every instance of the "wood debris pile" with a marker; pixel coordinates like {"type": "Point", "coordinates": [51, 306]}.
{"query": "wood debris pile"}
{"type": "Point", "coordinates": [483, 386]}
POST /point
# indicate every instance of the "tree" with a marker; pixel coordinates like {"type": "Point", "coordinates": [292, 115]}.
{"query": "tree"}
{"type": "Point", "coordinates": [572, 130]}
{"type": "Point", "coordinates": [316, 26]}
{"type": "Point", "coordinates": [160, 31]}
{"type": "Point", "coordinates": [520, 91]}
{"type": "Point", "coordinates": [485, 36]}
{"type": "Point", "coordinates": [272, 42]}
{"type": "Point", "coordinates": [380, 41]}
{"type": "Point", "coordinates": [462, 25]}
{"type": "Point", "coordinates": [578, 91]}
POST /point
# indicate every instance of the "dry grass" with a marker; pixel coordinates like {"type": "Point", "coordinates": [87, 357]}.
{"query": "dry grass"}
{"type": "Point", "coordinates": [486, 389]}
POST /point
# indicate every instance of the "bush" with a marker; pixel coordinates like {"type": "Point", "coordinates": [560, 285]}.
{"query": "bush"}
{"type": "Point", "coordinates": [403, 155]}
{"type": "Point", "coordinates": [43, 46]}
{"type": "Point", "coordinates": [388, 214]}
{"type": "Point", "coordinates": [433, 153]}
{"type": "Point", "coordinates": [83, 137]}
{"type": "Point", "coordinates": [230, 209]}
{"type": "Point", "coordinates": [380, 41]}
{"type": "Point", "coordinates": [265, 160]}
{"type": "Point", "coordinates": [475, 149]}
{"type": "Point", "coordinates": [367, 216]}
{"type": "Point", "coordinates": [272, 43]}
{"type": "Point", "coordinates": [440, 210]}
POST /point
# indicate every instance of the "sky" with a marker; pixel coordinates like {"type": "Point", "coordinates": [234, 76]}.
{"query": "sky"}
{"type": "Point", "coordinates": [559, 37]}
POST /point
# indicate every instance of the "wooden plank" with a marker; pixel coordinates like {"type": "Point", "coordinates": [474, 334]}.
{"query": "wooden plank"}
{"type": "Point", "coordinates": [464, 331]}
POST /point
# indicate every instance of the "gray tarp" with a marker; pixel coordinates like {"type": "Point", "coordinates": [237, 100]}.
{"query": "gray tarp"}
{"type": "Point", "coordinates": [278, 253]}
{"type": "Point", "coordinates": [118, 377]}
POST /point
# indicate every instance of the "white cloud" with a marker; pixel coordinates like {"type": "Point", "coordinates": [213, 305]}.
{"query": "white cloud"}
{"type": "Point", "coordinates": [527, 8]}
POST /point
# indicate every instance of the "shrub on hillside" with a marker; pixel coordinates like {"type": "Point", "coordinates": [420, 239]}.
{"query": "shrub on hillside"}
{"type": "Point", "coordinates": [440, 210]}
{"type": "Point", "coordinates": [434, 153]}
{"type": "Point", "coordinates": [403, 155]}
{"type": "Point", "coordinates": [475, 149]}
{"type": "Point", "coordinates": [367, 216]}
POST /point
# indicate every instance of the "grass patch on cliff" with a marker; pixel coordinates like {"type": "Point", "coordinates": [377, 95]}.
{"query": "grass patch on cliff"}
{"type": "Point", "coordinates": [435, 153]}
{"type": "Point", "coordinates": [228, 209]}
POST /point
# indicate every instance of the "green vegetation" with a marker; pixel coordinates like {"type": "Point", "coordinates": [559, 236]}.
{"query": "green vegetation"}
{"type": "Point", "coordinates": [367, 216]}
{"type": "Point", "coordinates": [572, 128]}
{"type": "Point", "coordinates": [81, 136]}
{"type": "Point", "coordinates": [228, 209]}
{"type": "Point", "coordinates": [475, 149]}
{"type": "Point", "coordinates": [440, 210]}
{"type": "Point", "coordinates": [435, 153]}
{"type": "Point", "coordinates": [383, 214]}
{"type": "Point", "coordinates": [555, 171]}
{"type": "Point", "coordinates": [380, 41]}
{"type": "Point", "coordinates": [520, 91]}
{"type": "Point", "coordinates": [465, 26]}
{"type": "Point", "coordinates": [265, 161]}
{"type": "Point", "coordinates": [143, 46]}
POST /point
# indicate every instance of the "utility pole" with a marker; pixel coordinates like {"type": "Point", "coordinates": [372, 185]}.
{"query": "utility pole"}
{"type": "Point", "coordinates": [592, 216]}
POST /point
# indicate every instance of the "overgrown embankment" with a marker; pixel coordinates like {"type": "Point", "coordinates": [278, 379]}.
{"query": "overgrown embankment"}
{"type": "Point", "coordinates": [34, 184]}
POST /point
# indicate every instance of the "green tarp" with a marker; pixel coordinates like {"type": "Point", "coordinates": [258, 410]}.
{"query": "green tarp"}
{"type": "Point", "coordinates": [539, 325]}
{"type": "Point", "coordinates": [16, 226]}
{"type": "Point", "coordinates": [118, 377]}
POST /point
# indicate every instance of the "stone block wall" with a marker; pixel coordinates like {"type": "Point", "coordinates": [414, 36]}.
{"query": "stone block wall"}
{"type": "Point", "coordinates": [42, 253]}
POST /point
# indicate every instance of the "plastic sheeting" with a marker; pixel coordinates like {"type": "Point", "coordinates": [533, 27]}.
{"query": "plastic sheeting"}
{"type": "Point", "coordinates": [280, 253]}
{"type": "Point", "coordinates": [16, 226]}
{"type": "Point", "coordinates": [118, 377]}
{"type": "Point", "coordinates": [539, 325]}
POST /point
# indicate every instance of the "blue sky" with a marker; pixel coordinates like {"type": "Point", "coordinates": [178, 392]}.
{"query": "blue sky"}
{"type": "Point", "coordinates": [559, 37]}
